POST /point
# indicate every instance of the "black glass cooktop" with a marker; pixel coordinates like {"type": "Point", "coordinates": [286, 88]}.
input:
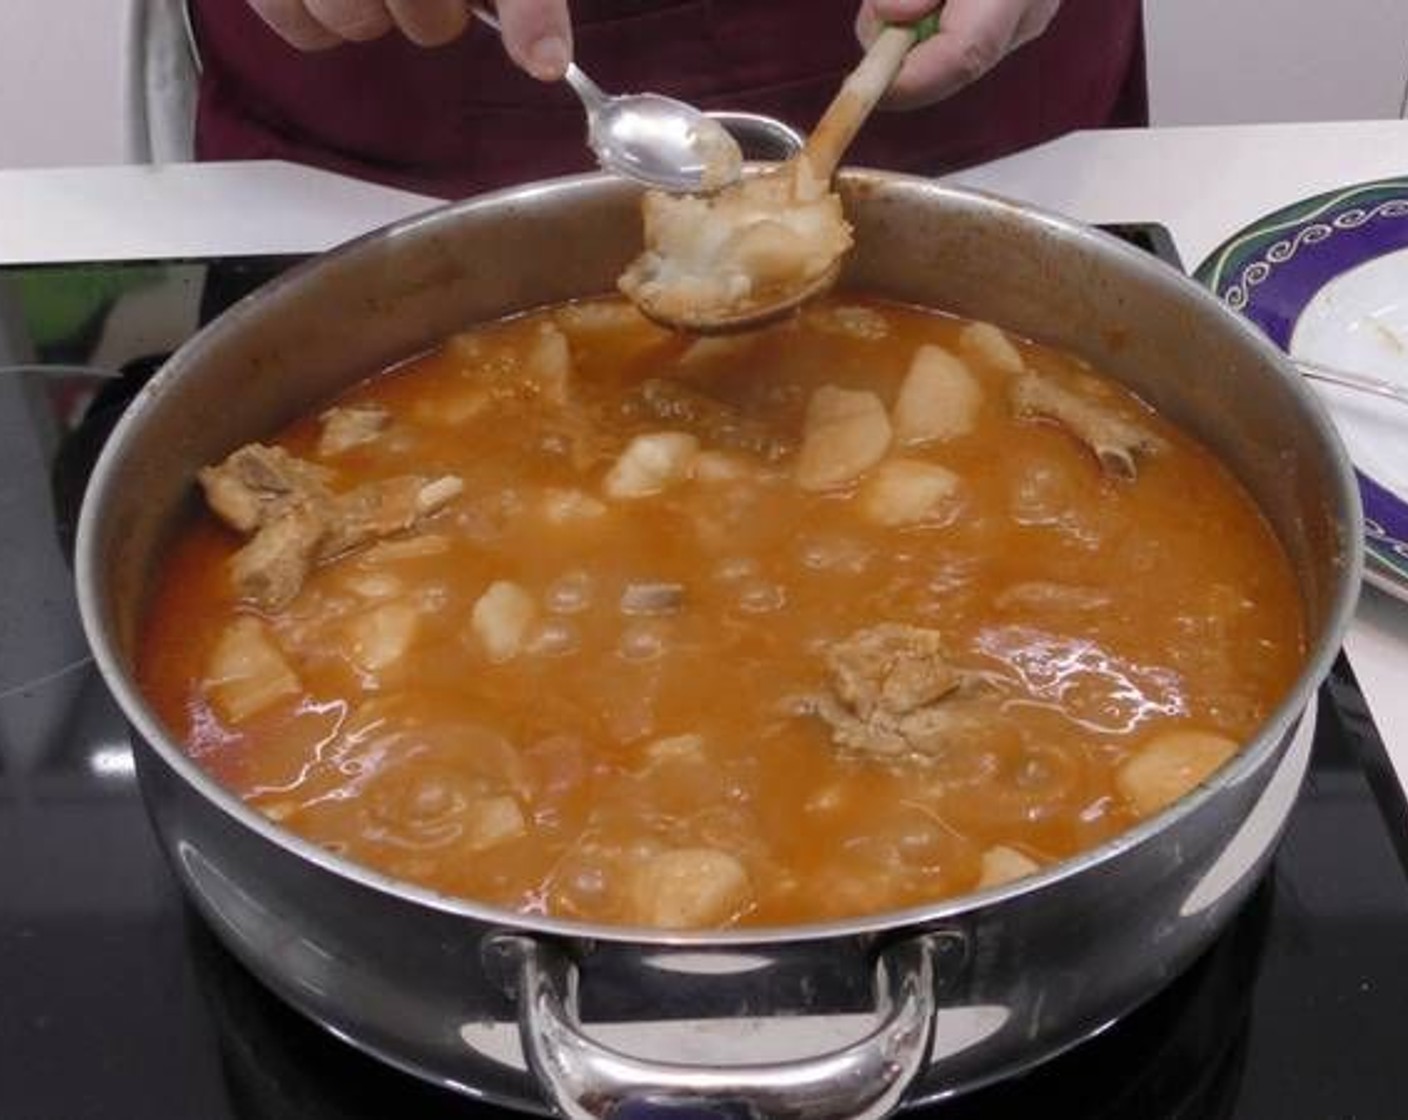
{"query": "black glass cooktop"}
{"type": "Point", "coordinates": [117, 1004]}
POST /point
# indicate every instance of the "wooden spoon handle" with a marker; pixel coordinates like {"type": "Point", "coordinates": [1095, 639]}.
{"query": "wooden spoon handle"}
{"type": "Point", "coordinates": [859, 94]}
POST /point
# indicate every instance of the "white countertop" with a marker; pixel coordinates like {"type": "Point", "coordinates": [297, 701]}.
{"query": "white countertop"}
{"type": "Point", "coordinates": [1201, 183]}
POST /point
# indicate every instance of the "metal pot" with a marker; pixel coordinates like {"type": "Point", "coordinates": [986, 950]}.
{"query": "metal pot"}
{"type": "Point", "coordinates": [843, 1019]}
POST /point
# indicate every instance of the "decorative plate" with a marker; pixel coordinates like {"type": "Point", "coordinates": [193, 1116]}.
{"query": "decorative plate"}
{"type": "Point", "coordinates": [1327, 280]}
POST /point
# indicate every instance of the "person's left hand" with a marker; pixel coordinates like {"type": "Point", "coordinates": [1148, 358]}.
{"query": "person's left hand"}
{"type": "Point", "coordinates": [973, 37]}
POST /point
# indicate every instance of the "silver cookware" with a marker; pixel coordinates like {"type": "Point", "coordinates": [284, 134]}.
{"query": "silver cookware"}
{"type": "Point", "coordinates": [845, 1019]}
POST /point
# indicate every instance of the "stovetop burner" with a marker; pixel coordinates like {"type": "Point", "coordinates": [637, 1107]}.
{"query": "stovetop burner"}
{"type": "Point", "coordinates": [116, 1003]}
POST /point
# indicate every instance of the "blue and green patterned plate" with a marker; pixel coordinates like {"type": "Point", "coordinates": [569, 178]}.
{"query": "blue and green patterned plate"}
{"type": "Point", "coordinates": [1327, 280]}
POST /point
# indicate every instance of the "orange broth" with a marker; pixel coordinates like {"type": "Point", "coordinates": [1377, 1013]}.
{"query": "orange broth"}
{"type": "Point", "coordinates": [611, 737]}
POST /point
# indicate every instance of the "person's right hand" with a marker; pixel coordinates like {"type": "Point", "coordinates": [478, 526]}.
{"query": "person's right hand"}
{"type": "Point", "coordinates": [537, 33]}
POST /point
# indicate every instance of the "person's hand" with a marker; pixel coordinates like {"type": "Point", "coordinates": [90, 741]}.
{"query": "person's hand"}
{"type": "Point", "coordinates": [537, 33]}
{"type": "Point", "coordinates": [973, 37]}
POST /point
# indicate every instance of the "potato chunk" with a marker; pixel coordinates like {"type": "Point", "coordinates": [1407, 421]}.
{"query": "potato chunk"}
{"type": "Point", "coordinates": [652, 463]}
{"type": "Point", "coordinates": [910, 492]}
{"type": "Point", "coordinates": [549, 364]}
{"type": "Point", "coordinates": [501, 618]}
{"type": "Point", "coordinates": [990, 345]}
{"type": "Point", "coordinates": [1170, 765]}
{"type": "Point", "coordinates": [492, 821]}
{"type": "Point", "coordinates": [1002, 864]}
{"type": "Point", "coordinates": [939, 398]}
{"type": "Point", "coordinates": [349, 426]}
{"type": "Point", "coordinates": [381, 636]}
{"type": "Point", "coordinates": [845, 434]}
{"type": "Point", "coordinates": [686, 888]}
{"type": "Point", "coordinates": [568, 506]}
{"type": "Point", "coordinates": [247, 671]}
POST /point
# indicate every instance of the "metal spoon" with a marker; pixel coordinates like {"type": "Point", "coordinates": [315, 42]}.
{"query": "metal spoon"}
{"type": "Point", "coordinates": [656, 140]}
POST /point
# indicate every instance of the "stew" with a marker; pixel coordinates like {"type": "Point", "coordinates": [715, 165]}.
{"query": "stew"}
{"type": "Point", "coordinates": [576, 616]}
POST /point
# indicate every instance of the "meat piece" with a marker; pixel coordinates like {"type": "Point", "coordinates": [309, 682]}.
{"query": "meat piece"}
{"type": "Point", "coordinates": [256, 482]}
{"type": "Point", "coordinates": [382, 509]}
{"type": "Point", "coordinates": [297, 521]}
{"type": "Point", "coordinates": [891, 668]}
{"type": "Point", "coordinates": [347, 427]}
{"type": "Point", "coordinates": [1115, 440]}
{"type": "Point", "coordinates": [846, 433]}
{"type": "Point", "coordinates": [271, 568]}
{"type": "Point", "coordinates": [894, 692]}
{"type": "Point", "coordinates": [675, 405]}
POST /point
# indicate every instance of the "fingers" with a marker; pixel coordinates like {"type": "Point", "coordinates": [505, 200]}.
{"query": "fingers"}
{"type": "Point", "coordinates": [973, 37]}
{"type": "Point", "coordinates": [312, 25]}
{"type": "Point", "coordinates": [537, 35]}
{"type": "Point", "coordinates": [429, 23]}
{"type": "Point", "coordinates": [290, 20]}
{"type": "Point", "coordinates": [357, 21]}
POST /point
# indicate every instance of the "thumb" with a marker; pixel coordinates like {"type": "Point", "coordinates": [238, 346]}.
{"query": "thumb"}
{"type": "Point", "coordinates": [538, 36]}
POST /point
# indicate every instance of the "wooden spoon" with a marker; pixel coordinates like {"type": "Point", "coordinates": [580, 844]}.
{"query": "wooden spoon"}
{"type": "Point", "coordinates": [810, 172]}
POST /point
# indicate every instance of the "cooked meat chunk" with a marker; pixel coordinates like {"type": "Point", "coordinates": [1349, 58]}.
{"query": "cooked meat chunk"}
{"type": "Point", "coordinates": [256, 482]}
{"type": "Point", "coordinates": [1115, 440]}
{"type": "Point", "coordinates": [351, 426]}
{"type": "Point", "coordinates": [891, 668]}
{"type": "Point", "coordinates": [894, 692]}
{"type": "Point", "coordinates": [297, 521]}
{"type": "Point", "coordinates": [271, 568]}
{"type": "Point", "coordinates": [382, 509]}
{"type": "Point", "coordinates": [715, 422]}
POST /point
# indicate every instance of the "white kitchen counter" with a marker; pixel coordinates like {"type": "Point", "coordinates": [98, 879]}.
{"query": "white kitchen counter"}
{"type": "Point", "coordinates": [1201, 183]}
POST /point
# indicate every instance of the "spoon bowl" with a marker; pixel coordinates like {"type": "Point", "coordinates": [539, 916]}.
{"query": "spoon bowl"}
{"type": "Point", "coordinates": [656, 140]}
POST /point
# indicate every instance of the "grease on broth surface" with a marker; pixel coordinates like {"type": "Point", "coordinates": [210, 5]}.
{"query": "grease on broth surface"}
{"type": "Point", "coordinates": [822, 621]}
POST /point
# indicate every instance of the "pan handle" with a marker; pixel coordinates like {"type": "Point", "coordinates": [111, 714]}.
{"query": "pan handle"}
{"type": "Point", "coordinates": [589, 1081]}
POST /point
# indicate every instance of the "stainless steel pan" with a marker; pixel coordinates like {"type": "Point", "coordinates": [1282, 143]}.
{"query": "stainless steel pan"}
{"type": "Point", "coordinates": [845, 1019]}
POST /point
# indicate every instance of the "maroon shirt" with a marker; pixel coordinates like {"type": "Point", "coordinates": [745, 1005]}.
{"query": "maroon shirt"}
{"type": "Point", "coordinates": [459, 119]}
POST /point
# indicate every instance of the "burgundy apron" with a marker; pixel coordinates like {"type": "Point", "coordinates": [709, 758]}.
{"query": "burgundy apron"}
{"type": "Point", "coordinates": [459, 119]}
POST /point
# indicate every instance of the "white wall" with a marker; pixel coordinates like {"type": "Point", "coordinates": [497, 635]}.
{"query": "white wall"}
{"type": "Point", "coordinates": [1211, 61]}
{"type": "Point", "coordinates": [61, 82]}
{"type": "Point", "coordinates": [1225, 61]}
